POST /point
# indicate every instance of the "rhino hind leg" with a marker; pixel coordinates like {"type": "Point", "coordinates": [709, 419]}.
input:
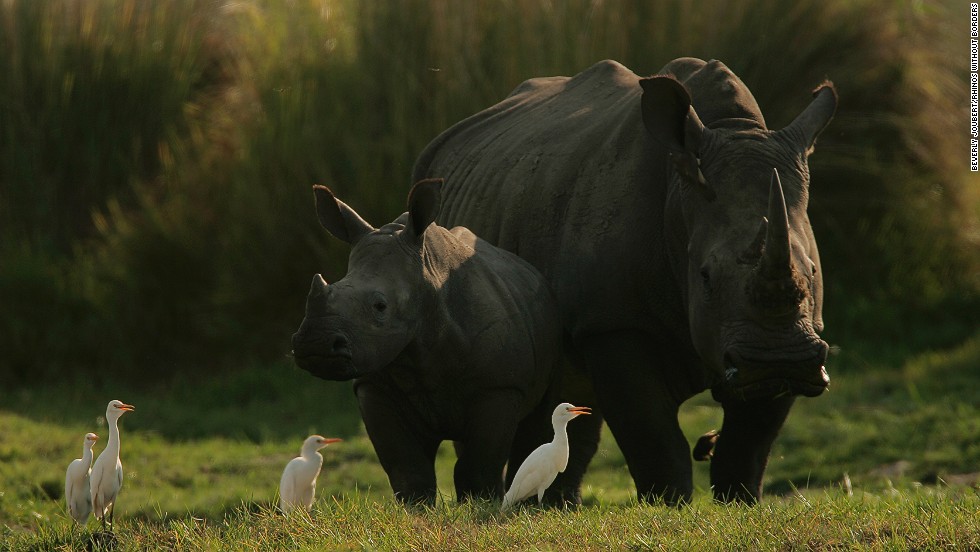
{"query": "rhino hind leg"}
{"type": "Point", "coordinates": [482, 453]}
{"type": "Point", "coordinates": [742, 448]}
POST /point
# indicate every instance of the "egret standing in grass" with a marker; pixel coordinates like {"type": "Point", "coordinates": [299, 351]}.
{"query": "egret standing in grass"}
{"type": "Point", "coordinates": [107, 473]}
{"type": "Point", "coordinates": [541, 467]}
{"type": "Point", "coordinates": [298, 483]}
{"type": "Point", "coordinates": [78, 489]}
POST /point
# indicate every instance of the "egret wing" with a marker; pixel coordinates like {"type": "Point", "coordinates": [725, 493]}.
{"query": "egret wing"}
{"type": "Point", "coordinates": [69, 479]}
{"type": "Point", "coordinates": [535, 469]}
{"type": "Point", "coordinates": [287, 485]}
{"type": "Point", "coordinates": [70, 497]}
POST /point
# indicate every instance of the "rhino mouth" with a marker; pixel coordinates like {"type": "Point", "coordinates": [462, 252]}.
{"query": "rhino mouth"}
{"type": "Point", "coordinates": [747, 378]}
{"type": "Point", "coordinates": [333, 367]}
{"type": "Point", "coordinates": [747, 388]}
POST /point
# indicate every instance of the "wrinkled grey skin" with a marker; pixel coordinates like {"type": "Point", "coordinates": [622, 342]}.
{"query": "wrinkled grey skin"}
{"type": "Point", "coordinates": [445, 337]}
{"type": "Point", "coordinates": [680, 261]}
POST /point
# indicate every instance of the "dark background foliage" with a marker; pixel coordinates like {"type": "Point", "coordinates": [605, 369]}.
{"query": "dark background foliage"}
{"type": "Point", "coordinates": [156, 158]}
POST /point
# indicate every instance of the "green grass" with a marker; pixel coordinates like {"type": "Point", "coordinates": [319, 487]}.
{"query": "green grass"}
{"type": "Point", "coordinates": [923, 519]}
{"type": "Point", "coordinates": [888, 459]}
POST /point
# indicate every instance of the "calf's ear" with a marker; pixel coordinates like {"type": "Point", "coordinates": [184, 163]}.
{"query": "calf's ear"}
{"type": "Point", "coordinates": [338, 218]}
{"type": "Point", "coordinates": [423, 205]}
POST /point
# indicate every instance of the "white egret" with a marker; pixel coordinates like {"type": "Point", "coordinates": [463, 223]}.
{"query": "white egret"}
{"type": "Point", "coordinates": [298, 483]}
{"type": "Point", "coordinates": [78, 490]}
{"type": "Point", "coordinates": [541, 467]}
{"type": "Point", "coordinates": [107, 473]}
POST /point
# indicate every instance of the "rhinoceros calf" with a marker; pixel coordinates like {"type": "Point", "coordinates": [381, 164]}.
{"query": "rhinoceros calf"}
{"type": "Point", "coordinates": [445, 337]}
{"type": "Point", "coordinates": [679, 260]}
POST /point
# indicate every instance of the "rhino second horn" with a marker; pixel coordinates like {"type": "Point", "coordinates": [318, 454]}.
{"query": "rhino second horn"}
{"type": "Point", "coordinates": [753, 252]}
{"type": "Point", "coordinates": [775, 260]}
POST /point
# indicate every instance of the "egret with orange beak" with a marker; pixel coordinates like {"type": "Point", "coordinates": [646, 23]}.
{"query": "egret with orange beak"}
{"type": "Point", "coordinates": [298, 483]}
{"type": "Point", "coordinates": [541, 467]}
{"type": "Point", "coordinates": [107, 473]}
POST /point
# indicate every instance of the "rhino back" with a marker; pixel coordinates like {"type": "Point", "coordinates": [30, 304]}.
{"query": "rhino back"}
{"type": "Point", "coordinates": [504, 309]}
{"type": "Point", "coordinates": [563, 173]}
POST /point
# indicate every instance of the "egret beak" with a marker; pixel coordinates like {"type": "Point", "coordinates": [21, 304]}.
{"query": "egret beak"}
{"type": "Point", "coordinates": [331, 440]}
{"type": "Point", "coordinates": [127, 407]}
{"type": "Point", "coordinates": [580, 410]}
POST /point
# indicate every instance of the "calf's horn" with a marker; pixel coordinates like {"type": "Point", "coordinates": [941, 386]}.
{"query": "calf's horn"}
{"type": "Point", "coordinates": [316, 301]}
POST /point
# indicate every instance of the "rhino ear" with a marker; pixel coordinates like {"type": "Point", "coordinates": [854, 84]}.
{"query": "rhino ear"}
{"type": "Point", "coordinates": [811, 122]}
{"type": "Point", "coordinates": [670, 119]}
{"type": "Point", "coordinates": [668, 116]}
{"type": "Point", "coordinates": [338, 218]}
{"type": "Point", "coordinates": [424, 201]}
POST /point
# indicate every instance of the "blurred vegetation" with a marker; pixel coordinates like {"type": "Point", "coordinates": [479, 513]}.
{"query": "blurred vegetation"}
{"type": "Point", "coordinates": [156, 158]}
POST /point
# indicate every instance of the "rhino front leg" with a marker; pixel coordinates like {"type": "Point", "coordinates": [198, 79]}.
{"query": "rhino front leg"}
{"type": "Point", "coordinates": [742, 450]}
{"type": "Point", "coordinates": [407, 452]}
{"type": "Point", "coordinates": [640, 403]}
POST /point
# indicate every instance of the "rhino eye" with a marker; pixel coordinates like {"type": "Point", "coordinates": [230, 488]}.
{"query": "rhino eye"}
{"type": "Point", "coordinates": [705, 276]}
{"type": "Point", "coordinates": [379, 304]}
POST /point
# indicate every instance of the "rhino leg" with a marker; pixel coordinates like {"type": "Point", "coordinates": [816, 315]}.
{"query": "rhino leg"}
{"type": "Point", "coordinates": [481, 455]}
{"type": "Point", "coordinates": [640, 402]}
{"type": "Point", "coordinates": [742, 450]}
{"type": "Point", "coordinates": [407, 452]}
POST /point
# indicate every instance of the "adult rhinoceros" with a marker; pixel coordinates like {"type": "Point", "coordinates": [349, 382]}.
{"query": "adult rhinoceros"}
{"type": "Point", "coordinates": [672, 226]}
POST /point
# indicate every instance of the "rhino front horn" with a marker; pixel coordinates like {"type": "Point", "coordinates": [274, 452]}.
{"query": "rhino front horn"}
{"type": "Point", "coordinates": [775, 260]}
{"type": "Point", "coordinates": [316, 301]}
